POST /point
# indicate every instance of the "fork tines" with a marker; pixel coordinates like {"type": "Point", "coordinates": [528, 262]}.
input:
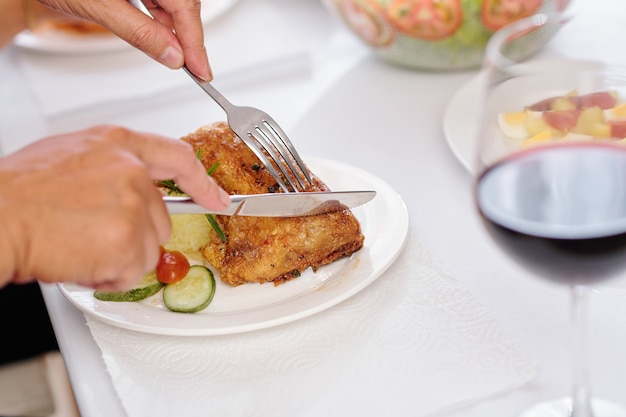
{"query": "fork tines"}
{"type": "Point", "coordinates": [279, 153]}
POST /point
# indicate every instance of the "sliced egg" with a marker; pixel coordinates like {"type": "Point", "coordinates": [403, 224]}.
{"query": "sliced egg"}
{"type": "Point", "coordinates": [513, 125]}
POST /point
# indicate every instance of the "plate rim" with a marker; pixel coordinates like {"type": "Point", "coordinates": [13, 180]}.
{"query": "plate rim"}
{"type": "Point", "coordinates": [328, 297]}
{"type": "Point", "coordinates": [459, 119]}
{"type": "Point", "coordinates": [103, 43]}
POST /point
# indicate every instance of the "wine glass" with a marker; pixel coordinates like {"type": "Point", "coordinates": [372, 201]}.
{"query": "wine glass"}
{"type": "Point", "coordinates": [551, 175]}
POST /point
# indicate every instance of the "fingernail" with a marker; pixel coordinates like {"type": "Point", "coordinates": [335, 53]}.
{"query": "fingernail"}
{"type": "Point", "coordinates": [206, 76]}
{"type": "Point", "coordinates": [172, 58]}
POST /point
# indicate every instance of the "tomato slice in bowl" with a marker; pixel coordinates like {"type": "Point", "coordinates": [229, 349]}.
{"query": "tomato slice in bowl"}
{"type": "Point", "coordinates": [367, 19]}
{"type": "Point", "coordinates": [498, 13]}
{"type": "Point", "coordinates": [426, 19]}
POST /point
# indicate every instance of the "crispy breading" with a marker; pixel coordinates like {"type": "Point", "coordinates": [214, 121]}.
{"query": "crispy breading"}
{"type": "Point", "coordinates": [267, 249]}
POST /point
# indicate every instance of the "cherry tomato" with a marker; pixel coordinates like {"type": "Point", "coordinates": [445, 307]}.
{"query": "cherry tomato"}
{"type": "Point", "coordinates": [498, 13]}
{"type": "Point", "coordinates": [426, 19]}
{"type": "Point", "coordinates": [172, 267]}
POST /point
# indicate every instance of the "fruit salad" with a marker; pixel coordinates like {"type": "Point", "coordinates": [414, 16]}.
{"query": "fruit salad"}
{"type": "Point", "coordinates": [598, 115]}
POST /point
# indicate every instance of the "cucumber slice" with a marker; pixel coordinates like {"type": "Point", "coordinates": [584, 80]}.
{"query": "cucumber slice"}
{"type": "Point", "coordinates": [148, 286]}
{"type": "Point", "coordinates": [191, 294]}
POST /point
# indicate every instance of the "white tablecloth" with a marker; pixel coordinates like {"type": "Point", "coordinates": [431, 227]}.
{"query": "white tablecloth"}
{"type": "Point", "coordinates": [416, 341]}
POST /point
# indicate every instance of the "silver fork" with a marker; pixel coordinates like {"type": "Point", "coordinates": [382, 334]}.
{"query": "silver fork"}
{"type": "Point", "coordinates": [259, 132]}
{"type": "Point", "coordinates": [264, 137]}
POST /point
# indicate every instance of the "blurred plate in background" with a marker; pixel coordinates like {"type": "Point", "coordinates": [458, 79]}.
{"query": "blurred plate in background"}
{"type": "Point", "coordinates": [66, 43]}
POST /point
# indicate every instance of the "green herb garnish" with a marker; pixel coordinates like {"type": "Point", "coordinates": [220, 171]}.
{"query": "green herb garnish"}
{"type": "Point", "coordinates": [216, 227]}
{"type": "Point", "coordinates": [211, 170]}
{"type": "Point", "coordinates": [210, 217]}
{"type": "Point", "coordinates": [172, 188]}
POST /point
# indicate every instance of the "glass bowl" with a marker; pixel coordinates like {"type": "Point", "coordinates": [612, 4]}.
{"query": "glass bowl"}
{"type": "Point", "coordinates": [433, 34]}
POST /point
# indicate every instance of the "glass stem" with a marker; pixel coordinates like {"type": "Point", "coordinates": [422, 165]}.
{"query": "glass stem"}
{"type": "Point", "coordinates": [581, 396]}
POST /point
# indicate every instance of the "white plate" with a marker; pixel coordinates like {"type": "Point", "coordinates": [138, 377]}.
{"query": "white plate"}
{"type": "Point", "coordinates": [384, 222]}
{"type": "Point", "coordinates": [68, 44]}
{"type": "Point", "coordinates": [460, 120]}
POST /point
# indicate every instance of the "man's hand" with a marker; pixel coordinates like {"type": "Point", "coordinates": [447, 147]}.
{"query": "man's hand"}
{"type": "Point", "coordinates": [82, 207]}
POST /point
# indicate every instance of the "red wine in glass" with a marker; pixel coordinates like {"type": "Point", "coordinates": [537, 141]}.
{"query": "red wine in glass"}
{"type": "Point", "coordinates": [560, 210]}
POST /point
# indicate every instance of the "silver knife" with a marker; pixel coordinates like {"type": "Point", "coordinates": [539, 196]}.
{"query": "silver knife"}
{"type": "Point", "coordinates": [276, 204]}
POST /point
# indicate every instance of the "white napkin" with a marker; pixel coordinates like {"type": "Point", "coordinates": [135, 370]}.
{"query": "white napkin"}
{"type": "Point", "coordinates": [411, 344]}
{"type": "Point", "coordinates": [243, 41]}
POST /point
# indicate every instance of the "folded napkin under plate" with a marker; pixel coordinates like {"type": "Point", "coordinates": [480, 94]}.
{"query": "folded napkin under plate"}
{"type": "Point", "coordinates": [64, 83]}
{"type": "Point", "coordinates": [413, 343]}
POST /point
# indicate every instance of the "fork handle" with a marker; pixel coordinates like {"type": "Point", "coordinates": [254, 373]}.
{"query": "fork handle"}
{"type": "Point", "coordinates": [211, 91]}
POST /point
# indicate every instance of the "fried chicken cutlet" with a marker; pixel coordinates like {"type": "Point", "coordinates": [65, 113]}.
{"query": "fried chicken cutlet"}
{"type": "Point", "coordinates": [266, 249]}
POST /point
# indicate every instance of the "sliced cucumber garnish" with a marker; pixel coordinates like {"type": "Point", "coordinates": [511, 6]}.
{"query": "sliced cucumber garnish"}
{"type": "Point", "coordinates": [191, 294]}
{"type": "Point", "coordinates": [148, 286]}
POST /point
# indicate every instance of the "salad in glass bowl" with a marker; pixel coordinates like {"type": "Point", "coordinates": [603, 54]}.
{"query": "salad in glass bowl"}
{"type": "Point", "coordinates": [433, 34]}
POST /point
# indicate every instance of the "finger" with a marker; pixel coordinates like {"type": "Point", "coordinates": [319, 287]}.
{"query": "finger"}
{"type": "Point", "coordinates": [206, 193]}
{"type": "Point", "coordinates": [161, 225]}
{"type": "Point", "coordinates": [187, 22]}
{"type": "Point", "coordinates": [158, 13]}
{"type": "Point", "coordinates": [151, 36]}
{"type": "Point", "coordinates": [134, 262]}
{"type": "Point", "coordinates": [191, 176]}
{"type": "Point", "coordinates": [175, 159]}
{"type": "Point", "coordinates": [146, 211]}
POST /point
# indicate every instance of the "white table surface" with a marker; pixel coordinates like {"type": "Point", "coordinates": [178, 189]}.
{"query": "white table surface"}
{"type": "Point", "coordinates": [392, 121]}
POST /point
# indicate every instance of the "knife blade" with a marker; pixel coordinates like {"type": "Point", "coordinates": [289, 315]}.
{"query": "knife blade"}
{"type": "Point", "coordinates": [275, 204]}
